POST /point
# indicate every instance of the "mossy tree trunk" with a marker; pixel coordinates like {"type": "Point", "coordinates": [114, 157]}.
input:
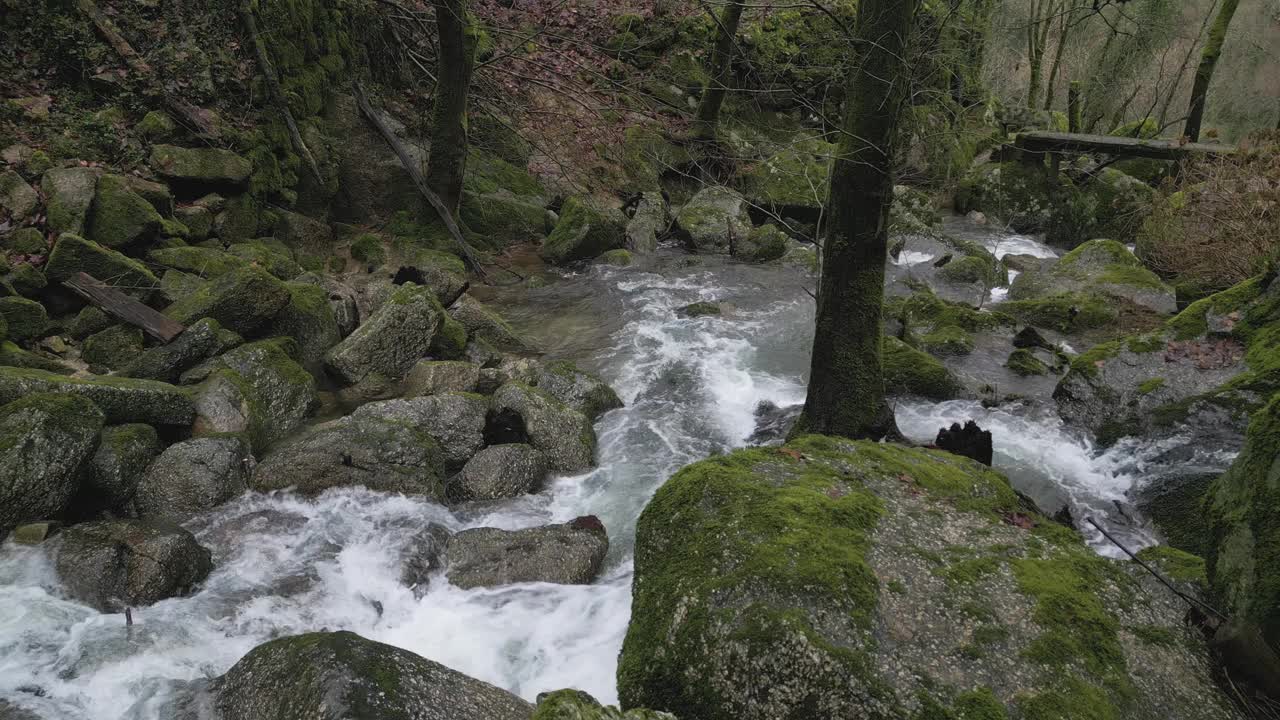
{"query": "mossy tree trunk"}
{"type": "Point", "coordinates": [449, 127]}
{"type": "Point", "coordinates": [1208, 61]}
{"type": "Point", "coordinates": [718, 71]}
{"type": "Point", "coordinates": [846, 379]}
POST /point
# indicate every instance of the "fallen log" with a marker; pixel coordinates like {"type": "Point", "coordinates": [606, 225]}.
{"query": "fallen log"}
{"type": "Point", "coordinates": [415, 173]}
{"type": "Point", "coordinates": [123, 307]}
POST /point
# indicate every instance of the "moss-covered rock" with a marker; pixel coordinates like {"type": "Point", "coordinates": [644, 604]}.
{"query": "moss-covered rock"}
{"type": "Point", "coordinates": [258, 389]}
{"type": "Point", "coordinates": [946, 341]}
{"type": "Point", "coordinates": [1099, 267]}
{"type": "Point", "coordinates": [197, 343]}
{"type": "Point", "coordinates": [69, 193]}
{"type": "Point", "coordinates": [129, 563]}
{"type": "Point", "coordinates": [271, 256]}
{"type": "Point", "coordinates": [13, 356]}
{"type": "Point", "coordinates": [243, 218]}
{"type": "Point", "coordinates": [908, 371]}
{"type": "Point", "coordinates": [649, 219]}
{"type": "Point", "coordinates": [768, 568]}
{"type": "Point", "coordinates": [205, 262]}
{"type": "Point", "coordinates": [197, 219]}
{"type": "Point", "coordinates": [25, 319]}
{"type": "Point", "coordinates": [1020, 194]}
{"type": "Point", "coordinates": [1064, 312]}
{"type": "Point", "coordinates": [583, 232]}
{"type": "Point", "coordinates": [114, 347]}
{"type": "Point", "coordinates": [577, 705]}
{"type": "Point", "coordinates": [308, 318]}
{"type": "Point", "coordinates": [194, 476]}
{"type": "Point", "coordinates": [580, 390]}
{"type": "Point", "coordinates": [714, 220]}
{"type": "Point", "coordinates": [155, 125]}
{"type": "Point", "coordinates": [44, 439]}
{"type": "Point", "coordinates": [17, 198]}
{"type": "Point", "coordinates": [481, 322]}
{"type": "Point", "coordinates": [26, 280]}
{"type": "Point", "coordinates": [368, 250]}
{"type": "Point", "coordinates": [120, 217]}
{"type": "Point", "coordinates": [304, 676]}
{"type": "Point", "coordinates": [112, 474]}
{"type": "Point", "coordinates": [73, 254]}
{"type": "Point", "coordinates": [200, 167]}
{"type": "Point", "coordinates": [793, 181]}
{"type": "Point", "coordinates": [1024, 362]}
{"type": "Point", "coordinates": [88, 321]}
{"type": "Point", "coordinates": [244, 301]}
{"type": "Point", "coordinates": [762, 244]}
{"type": "Point", "coordinates": [25, 241]}
{"type": "Point", "coordinates": [121, 400]}
{"type": "Point", "coordinates": [503, 217]}
{"type": "Point", "coordinates": [617, 258]}
{"type": "Point", "coordinates": [564, 435]}
{"type": "Point", "coordinates": [396, 336]}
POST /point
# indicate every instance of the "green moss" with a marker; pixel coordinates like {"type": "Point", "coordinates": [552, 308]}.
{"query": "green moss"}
{"type": "Point", "coordinates": [269, 254]}
{"type": "Point", "coordinates": [795, 177]}
{"type": "Point", "coordinates": [26, 319]}
{"type": "Point", "coordinates": [450, 340]}
{"type": "Point", "coordinates": [155, 125]}
{"type": "Point", "coordinates": [13, 356]}
{"type": "Point", "coordinates": [700, 309]}
{"type": "Point", "coordinates": [1078, 628]}
{"type": "Point", "coordinates": [896, 587]}
{"type": "Point", "coordinates": [26, 280]}
{"type": "Point", "coordinates": [113, 347]}
{"type": "Point", "coordinates": [1146, 387]}
{"type": "Point", "coordinates": [202, 261]}
{"type": "Point", "coordinates": [946, 341]}
{"type": "Point", "coordinates": [243, 300]}
{"type": "Point", "coordinates": [1191, 322]}
{"type": "Point", "coordinates": [617, 258]}
{"type": "Point", "coordinates": [582, 233]}
{"type": "Point", "coordinates": [1065, 312]}
{"type": "Point", "coordinates": [119, 216]}
{"type": "Point", "coordinates": [910, 371]}
{"type": "Point", "coordinates": [73, 254]}
{"type": "Point", "coordinates": [923, 308]}
{"type": "Point", "coordinates": [971, 570]}
{"type": "Point", "coordinates": [973, 269]}
{"type": "Point", "coordinates": [1073, 700]}
{"type": "Point", "coordinates": [1174, 563]}
{"type": "Point", "coordinates": [26, 241]}
{"type": "Point", "coordinates": [368, 249]}
{"type": "Point", "coordinates": [1025, 363]}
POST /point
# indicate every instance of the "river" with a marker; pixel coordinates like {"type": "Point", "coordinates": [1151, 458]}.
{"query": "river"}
{"type": "Point", "coordinates": [287, 565]}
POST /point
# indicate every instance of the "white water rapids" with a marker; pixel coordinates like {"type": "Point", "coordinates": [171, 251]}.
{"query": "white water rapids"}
{"type": "Point", "coordinates": [287, 565]}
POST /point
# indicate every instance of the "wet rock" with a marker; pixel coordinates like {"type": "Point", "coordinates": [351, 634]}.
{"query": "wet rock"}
{"type": "Point", "coordinates": [69, 193]}
{"type": "Point", "coordinates": [128, 563]}
{"type": "Point", "coordinates": [481, 322]}
{"type": "Point", "coordinates": [444, 273]}
{"type": "Point", "coordinates": [1024, 263]}
{"type": "Point", "coordinates": [969, 441]}
{"type": "Point", "coordinates": [1099, 267]}
{"type": "Point", "coordinates": [44, 439]}
{"type": "Point", "coordinates": [368, 450]}
{"type": "Point", "coordinates": [1029, 337]}
{"type": "Point", "coordinates": [773, 422]}
{"type": "Point", "coordinates": [35, 533]}
{"type": "Point", "coordinates": [424, 556]}
{"type": "Point", "coordinates": [73, 254]}
{"type": "Point", "coordinates": [577, 705]}
{"type": "Point", "coordinates": [13, 711]}
{"type": "Point", "coordinates": [194, 476]}
{"type": "Point", "coordinates": [908, 371]}
{"type": "Point", "coordinates": [243, 301]}
{"type": "Point", "coordinates": [762, 244]}
{"type": "Point", "coordinates": [1174, 502]}
{"type": "Point", "coordinates": [455, 420]}
{"type": "Point", "coordinates": [196, 344]}
{"type": "Point", "coordinates": [700, 309]}
{"type": "Point", "coordinates": [123, 454]}
{"type": "Point", "coordinates": [649, 219]}
{"type": "Point", "coordinates": [499, 471]}
{"type": "Point", "coordinates": [857, 630]}
{"type": "Point", "coordinates": [429, 377]}
{"type": "Point", "coordinates": [392, 340]}
{"type": "Point", "coordinates": [583, 232]}
{"type": "Point", "coordinates": [258, 389]}
{"type": "Point", "coordinates": [579, 390]}
{"type": "Point", "coordinates": [714, 220]}
{"type": "Point", "coordinates": [307, 676]}
{"type": "Point", "coordinates": [526, 414]}
{"type": "Point", "coordinates": [122, 400]}
{"type": "Point", "coordinates": [568, 554]}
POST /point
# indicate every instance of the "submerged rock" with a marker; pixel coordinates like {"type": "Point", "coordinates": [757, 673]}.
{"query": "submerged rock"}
{"type": "Point", "coordinates": [44, 439]}
{"type": "Point", "coordinates": [308, 677]}
{"type": "Point", "coordinates": [423, 556]}
{"type": "Point", "coordinates": [569, 554]}
{"type": "Point", "coordinates": [194, 476]}
{"type": "Point", "coordinates": [128, 563]}
{"type": "Point", "coordinates": [859, 579]}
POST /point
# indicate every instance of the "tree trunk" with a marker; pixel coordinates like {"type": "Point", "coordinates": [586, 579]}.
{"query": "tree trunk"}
{"type": "Point", "coordinates": [449, 127]}
{"type": "Point", "coordinates": [1204, 73]}
{"type": "Point", "coordinates": [1182, 71]}
{"type": "Point", "coordinates": [1037, 36]}
{"type": "Point", "coordinates": [1073, 106]}
{"type": "Point", "coordinates": [718, 72]}
{"type": "Point", "coordinates": [1068, 21]}
{"type": "Point", "coordinates": [846, 378]}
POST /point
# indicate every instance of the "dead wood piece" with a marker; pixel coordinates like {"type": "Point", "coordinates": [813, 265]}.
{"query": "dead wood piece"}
{"type": "Point", "coordinates": [123, 307]}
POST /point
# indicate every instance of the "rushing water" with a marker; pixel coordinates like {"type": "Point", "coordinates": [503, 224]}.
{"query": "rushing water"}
{"type": "Point", "coordinates": [286, 565]}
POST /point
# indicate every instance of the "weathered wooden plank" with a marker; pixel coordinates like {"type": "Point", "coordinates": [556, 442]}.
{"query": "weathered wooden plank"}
{"type": "Point", "coordinates": [123, 307]}
{"type": "Point", "coordinates": [1052, 142]}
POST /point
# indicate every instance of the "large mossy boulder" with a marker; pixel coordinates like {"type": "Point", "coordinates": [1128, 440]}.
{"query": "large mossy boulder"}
{"type": "Point", "coordinates": [713, 220]}
{"type": "Point", "coordinates": [244, 301]}
{"type": "Point", "coordinates": [584, 231]}
{"type": "Point", "coordinates": [121, 400]}
{"type": "Point", "coordinates": [44, 440]}
{"type": "Point", "coordinates": [455, 420]}
{"type": "Point", "coordinates": [194, 476]}
{"type": "Point", "coordinates": [200, 168]}
{"type": "Point", "coordinates": [123, 455]}
{"type": "Point", "coordinates": [1103, 268]}
{"type": "Point", "coordinates": [370, 451]}
{"type": "Point", "coordinates": [478, 321]}
{"type": "Point", "coordinates": [112, 348]}
{"type": "Point", "coordinates": [833, 578]}
{"type": "Point", "coordinates": [17, 198]}
{"type": "Point", "coordinates": [1243, 558]}
{"type": "Point", "coordinates": [793, 181]}
{"type": "Point", "coordinates": [68, 194]}
{"type": "Point", "coordinates": [73, 254]}
{"type": "Point", "coordinates": [519, 413]}
{"type": "Point", "coordinates": [308, 677]}
{"type": "Point", "coordinates": [580, 390]}
{"type": "Point", "coordinates": [497, 472]}
{"type": "Point", "coordinates": [571, 553]}
{"type": "Point", "coordinates": [1022, 195]}
{"type": "Point", "coordinates": [309, 319]}
{"type": "Point", "coordinates": [196, 344]}
{"type": "Point", "coordinates": [24, 319]}
{"type": "Point", "coordinates": [118, 564]}
{"type": "Point", "coordinates": [908, 371]}
{"type": "Point", "coordinates": [1208, 368]}
{"type": "Point", "coordinates": [392, 340]}
{"type": "Point", "coordinates": [205, 262]}
{"type": "Point", "coordinates": [577, 705]}
{"type": "Point", "coordinates": [258, 389]}
{"type": "Point", "coordinates": [120, 217]}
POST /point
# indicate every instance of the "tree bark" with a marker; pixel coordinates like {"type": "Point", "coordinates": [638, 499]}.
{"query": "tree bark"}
{"type": "Point", "coordinates": [1068, 22]}
{"type": "Point", "coordinates": [846, 379]}
{"type": "Point", "coordinates": [718, 72]}
{"type": "Point", "coordinates": [448, 159]}
{"type": "Point", "coordinates": [1073, 106]}
{"type": "Point", "coordinates": [1204, 73]}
